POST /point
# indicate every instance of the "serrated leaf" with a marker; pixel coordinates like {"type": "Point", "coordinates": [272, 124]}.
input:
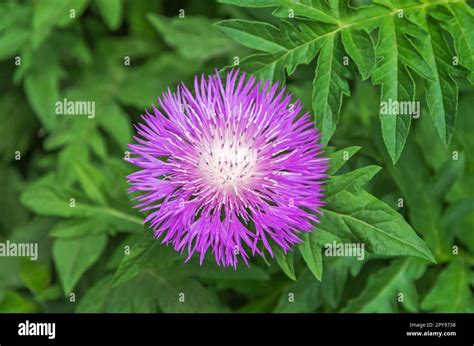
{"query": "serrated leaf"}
{"type": "Point", "coordinates": [398, 56]}
{"type": "Point", "coordinates": [256, 35]}
{"type": "Point", "coordinates": [148, 253]}
{"type": "Point", "coordinates": [357, 216]}
{"type": "Point", "coordinates": [458, 21]}
{"type": "Point", "coordinates": [329, 86]}
{"type": "Point", "coordinates": [441, 89]}
{"type": "Point", "coordinates": [314, 10]}
{"type": "Point", "coordinates": [251, 3]}
{"type": "Point", "coordinates": [395, 52]}
{"type": "Point", "coordinates": [301, 40]}
{"type": "Point", "coordinates": [451, 291]}
{"type": "Point", "coordinates": [73, 257]}
{"type": "Point", "coordinates": [412, 178]}
{"type": "Point", "coordinates": [360, 47]}
{"type": "Point", "coordinates": [383, 289]}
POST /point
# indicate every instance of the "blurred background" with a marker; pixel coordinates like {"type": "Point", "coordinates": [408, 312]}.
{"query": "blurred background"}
{"type": "Point", "coordinates": [122, 55]}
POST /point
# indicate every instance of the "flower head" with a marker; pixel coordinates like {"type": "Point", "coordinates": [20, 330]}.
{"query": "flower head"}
{"type": "Point", "coordinates": [230, 168]}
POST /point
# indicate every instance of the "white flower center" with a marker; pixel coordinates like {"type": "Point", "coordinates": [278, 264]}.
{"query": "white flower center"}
{"type": "Point", "coordinates": [228, 163]}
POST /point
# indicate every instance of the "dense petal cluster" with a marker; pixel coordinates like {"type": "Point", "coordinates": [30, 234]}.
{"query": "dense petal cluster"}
{"type": "Point", "coordinates": [229, 167]}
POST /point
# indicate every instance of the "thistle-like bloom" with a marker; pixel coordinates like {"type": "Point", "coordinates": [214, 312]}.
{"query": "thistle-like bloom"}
{"type": "Point", "coordinates": [232, 168]}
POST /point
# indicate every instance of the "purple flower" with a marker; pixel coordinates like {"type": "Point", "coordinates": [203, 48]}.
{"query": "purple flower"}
{"type": "Point", "coordinates": [228, 168]}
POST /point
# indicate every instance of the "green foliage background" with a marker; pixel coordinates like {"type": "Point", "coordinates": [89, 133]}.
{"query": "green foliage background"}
{"type": "Point", "coordinates": [100, 252]}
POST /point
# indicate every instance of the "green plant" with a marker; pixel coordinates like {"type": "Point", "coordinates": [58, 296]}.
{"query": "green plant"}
{"type": "Point", "coordinates": [405, 192]}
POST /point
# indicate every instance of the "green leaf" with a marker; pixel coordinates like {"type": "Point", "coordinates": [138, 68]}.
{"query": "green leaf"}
{"type": "Point", "coordinates": [301, 296]}
{"type": "Point", "coordinates": [457, 19]}
{"type": "Point", "coordinates": [95, 299]}
{"type": "Point", "coordinates": [74, 256]}
{"type": "Point", "coordinates": [74, 228]}
{"type": "Point", "coordinates": [42, 90]}
{"type": "Point", "coordinates": [457, 210]}
{"type": "Point", "coordinates": [447, 176]}
{"type": "Point", "coordinates": [387, 287]}
{"type": "Point", "coordinates": [357, 216]}
{"type": "Point", "coordinates": [111, 11]}
{"type": "Point", "coordinates": [13, 213]}
{"type": "Point", "coordinates": [285, 261]}
{"type": "Point", "coordinates": [301, 40]}
{"type": "Point", "coordinates": [184, 296]}
{"type": "Point", "coordinates": [340, 157]}
{"type": "Point", "coordinates": [48, 14]}
{"type": "Point", "coordinates": [150, 271]}
{"type": "Point", "coordinates": [251, 3]}
{"type": "Point", "coordinates": [13, 302]}
{"type": "Point", "coordinates": [311, 251]}
{"type": "Point", "coordinates": [14, 28]}
{"type": "Point", "coordinates": [23, 125]}
{"type": "Point", "coordinates": [451, 292]}
{"type": "Point", "coordinates": [45, 199]}
{"type": "Point", "coordinates": [412, 178]}
{"type": "Point", "coordinates": [313, 10]}
{"type": "Point", "coordinates": [36, 276]}
{"type": "Point", "coordinates": [185, 35]}
{"type": "Point", "coordinates": [360, 47]}
{"type": "Point", "coordinates": [114, 121]}
{"type": "Point", "coordinates": [210, 272]}
{"type": "Point", "coordinates": [350, 181]}
{"type": "Point", "coordinates": [88, 176]}
{"type": "Point", "coordinates": [139, 295]}
{"type": "Point", "coordinates": [336, 273]}
{"type": "Point", "coordinates": [396, 57]}
{"type": "Point", "coordinates": [48, 294]}
{"type": "Point", "coordinates": [396, 52]}
{"type": "Point", "coordinates": [255, 35]}
{"type": "Point", "coordinates": [441, 89]}
{"type": "Point", "coordinates": [142, 84]}
{"type": "Point", "coordinates": [149, 253]}
{"type": "Point", "coordinates": [329, 86]}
